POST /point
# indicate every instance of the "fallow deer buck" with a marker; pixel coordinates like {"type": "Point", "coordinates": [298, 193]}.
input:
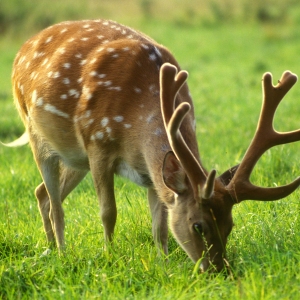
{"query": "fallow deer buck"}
{"type": "Point", "coordinates": [99, 96]}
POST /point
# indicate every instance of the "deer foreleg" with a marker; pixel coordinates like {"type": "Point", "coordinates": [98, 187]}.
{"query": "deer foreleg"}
{"type": "Point", "coordinates": [159, 221]}
{"type": "Point", "coordinates": [103, 178]}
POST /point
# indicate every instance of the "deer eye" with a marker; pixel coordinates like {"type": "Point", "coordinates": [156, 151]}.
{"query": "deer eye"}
{"type": "Point", "coordinates": [198, 228]}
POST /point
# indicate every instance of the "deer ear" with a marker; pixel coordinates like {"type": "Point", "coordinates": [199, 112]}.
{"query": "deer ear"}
{"type": "Point", "coordinates": [226, 177]}
{"type": "Point", "coordinates": [174, 175]}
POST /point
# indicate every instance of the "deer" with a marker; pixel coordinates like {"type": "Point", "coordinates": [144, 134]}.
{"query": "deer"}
{"type": "Point", "coordinates": [98, 96]}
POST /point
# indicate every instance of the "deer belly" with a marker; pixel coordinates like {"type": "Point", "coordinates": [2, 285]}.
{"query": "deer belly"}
{"type": "Point", "coordinates": [125, 170]}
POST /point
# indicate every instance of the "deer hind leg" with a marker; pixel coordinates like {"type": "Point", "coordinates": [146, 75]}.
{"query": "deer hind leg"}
{"type": "Point", "coordinates": [103, 177]}
{"type": "Point", "coordinates": [69, 179]}
{"type": "Point", "coordinates": [159, 221]}
{"type": "Point", "coordinates": [50, 169]}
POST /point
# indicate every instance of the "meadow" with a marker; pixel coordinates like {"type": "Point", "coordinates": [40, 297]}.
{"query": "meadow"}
{"type": "Point", "coordinates": [225, 58]}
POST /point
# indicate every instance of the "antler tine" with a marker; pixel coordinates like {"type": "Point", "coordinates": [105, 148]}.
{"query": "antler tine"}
{"type": "Point", "coordinates": [170, 85]}
{"type": "Point", "coordinates": [170, 82]}
{"type": "Point", "coordinates": [265, 138]}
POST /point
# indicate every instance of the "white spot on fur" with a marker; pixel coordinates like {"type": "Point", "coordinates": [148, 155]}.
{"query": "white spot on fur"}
{"type": "Point", "coordinates": [21, 88]}
{"type": "Point", "coordinates": [107, 83]}
{"type": "Point", "coordinates": [108, 130]}
{"type": "Point", "coordinates": [66, 81]}
{"type": "Point", "coordinates": [99, 135]}
{"type": "Point", "coordinates": [110, 49]}
{"type": "Point", "coordinates": [150, 119]}
{"type": "Point", "coordinates": [86, 92]}
{"type": "Point", "coordinates": [52, 109]}
{"type": "Point", "coordinates": [127, 126]}
{"type": "Point", "coordinates": [45, 61]}
{"type": "Point", "coordinates": [67, 65]}
{"type": "Point", "coordinates": [152, 56]}
{"type": "Point", "coordinates": [74, 93]}
{"type": "Point", "coordinates": [93, 60]}
{"type": "Point", "coordinates": [61, 50]}
{"type": "Point", "coordinates": [93, 73]}
{"type": "Point", "coordinates": [64, 96]}
{"type": "Point", "coordinates": [151, 87]}
{"type": "Point", "coordinates": [21, 59]}
{"type": "Point", "coordinates": [32, 75]}
{"type": "Point", "coordinates": [38, 54]}
{"type": "Point", "coordinates": [89, 122]}
{"type": "Point", "coordinates": [104, 121]}
{"type": "Point", "coordinates": [137, 90]}
{"type": "Point", "coordinates": [165, 147]}
{"type": "Point", "coordinates": [34, 97]}
{"type": "Point", "coordinates": [49, 39]}
{"type": "Point", "coordinates": [39, 101]}
{"type": "Point", "coordinates": [157, 52]}
{"type": "Point", "coordinates": [115, 88]}
{"type": "Point", "coordinates": [145, 46]}
{"type": "Point", "coordinates": [118, 119]}
{"type": "Point", "coordinates": [158, 131]}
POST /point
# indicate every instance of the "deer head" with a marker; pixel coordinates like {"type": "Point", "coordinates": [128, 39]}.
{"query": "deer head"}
{"type": "Point", "coordinates": [98, 96]}
{"type": "Point", "coordinates": [200, 217]}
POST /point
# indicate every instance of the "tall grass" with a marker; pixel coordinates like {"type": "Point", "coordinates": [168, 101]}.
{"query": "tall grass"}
{"type": "Point", "coordinates": [225, 65]}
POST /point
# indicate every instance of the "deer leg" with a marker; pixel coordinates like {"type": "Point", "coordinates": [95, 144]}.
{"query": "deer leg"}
{"type": "Point", "coordinates": [49, 169]}
{"type": "Point", "coordinates": [159, 221]}
{"type": "Point", "coordinates": [103, 178]}
{"type": "Point", "coordinates": [44, 208]}
{"type": "Point", "coordinates": [69, 179]}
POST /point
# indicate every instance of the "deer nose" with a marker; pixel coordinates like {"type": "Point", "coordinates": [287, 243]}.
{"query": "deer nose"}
{"type": "Point", "coordinates": [204, 265]}
{"type": "Point", "coordinates": [214, 266]}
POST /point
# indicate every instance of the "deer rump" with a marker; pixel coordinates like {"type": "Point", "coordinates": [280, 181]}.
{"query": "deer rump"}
{"type": "Point", "coordinates": [98, 96]}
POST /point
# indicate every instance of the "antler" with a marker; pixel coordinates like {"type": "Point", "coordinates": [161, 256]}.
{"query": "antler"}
{"type": "Point", "coordinates": [265, 137]}
{"type": "Point", "coordinates": [171, 83]}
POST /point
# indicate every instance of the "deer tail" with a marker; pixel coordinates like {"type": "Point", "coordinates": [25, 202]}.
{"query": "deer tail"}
{"type": "Point", "coordinates": [21, 141]}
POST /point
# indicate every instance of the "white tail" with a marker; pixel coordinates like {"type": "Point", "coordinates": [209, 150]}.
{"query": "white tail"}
{"type": "Point", "coordinates": [21, 141]}
{"type": "Point", "coordinates": [99, 96]}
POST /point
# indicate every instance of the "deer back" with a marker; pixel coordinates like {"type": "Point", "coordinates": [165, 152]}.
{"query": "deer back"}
{"type": "Point", "coordinates": [85, 85]}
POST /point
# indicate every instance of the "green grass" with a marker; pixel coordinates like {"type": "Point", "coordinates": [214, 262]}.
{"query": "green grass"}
{"type": "Point", "coordinates": [226, 64]}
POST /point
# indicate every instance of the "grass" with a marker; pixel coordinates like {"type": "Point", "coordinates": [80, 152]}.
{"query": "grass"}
{"type": "Point", "coordinates": [225, 65]}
